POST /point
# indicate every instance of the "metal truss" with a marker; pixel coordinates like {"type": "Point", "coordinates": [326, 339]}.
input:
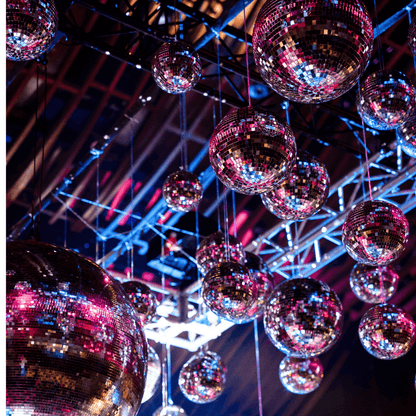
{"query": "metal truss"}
{"type": "Point", "coordinates": [305, 252]}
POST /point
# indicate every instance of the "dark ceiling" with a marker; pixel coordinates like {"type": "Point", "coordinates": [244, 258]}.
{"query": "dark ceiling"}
{"type": "Point", "coordinates": [100, 96]}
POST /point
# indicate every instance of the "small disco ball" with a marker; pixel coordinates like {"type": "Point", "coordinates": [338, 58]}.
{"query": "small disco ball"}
{"type": "Point", "coordinates": [182, 191]}
{"type": "Point", "coordinates": [312, 52]}
{"type": "Point", "coordinates": [303, 193]}
{"type": "Point", "coordinates": [176, 67]}
{"type": "Point", "coordinates": [251, 150]}
{"type": "Point", "coordinates": [375, 233]}
{"type": "Point", "coordinates": [265, 285]}
{"type": "Point", "coordinates": [387, 332]}
{"type": "Point", "coordinates": [411, 38]}
{"type": "Point", "coordinates": [202, 378]}
{"type": "Point", "coordinates": [406, 135]}
{"type": "Point", "coordinates": [373, 284]}
{"type": "Point", "coordinates": [303, 317]}
{"type": "Point", "coordinates": [169, 410]}
{"type": "Point", "coordinates": [154, 371]}
{"type": "Point", "coordinates": [142, 298]}
{"type": "Point", "coordinates": [213, 250]}
{"type": "Point", "coordinates": [301, 375]}
{"type": "Point", "coordinates": [386, 99]}
{"type": "Point", "coordinates": [229, 290]}
{"type": "Point", "coordinates": [31, 26]}
{"type": "Point", "coordinates": [74, 342]}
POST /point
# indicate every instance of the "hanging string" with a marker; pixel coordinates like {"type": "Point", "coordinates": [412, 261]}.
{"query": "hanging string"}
{"type": "Point", "coordinates": [164, 377]}
{"type": "Point", "coordinates": [227, 236]}
{"type": "Point", "coordinates": [217, 182]}
{"type": "Point", "coordinates": [365, 146]}
{"type": "Point", "coordinates": [380, 50]}
{"type": "Point", "coordinates": [169, 380]}
{"type": "Point", "coordinates": [131, 198]}
{"type": "Point", "coordinates": [97, 200]}
{"type": "Point", "coordinates": [65, 225]}
{"type": "Point", "coordinates": [248, 68]}
{"type": "Point", "coordinates": [410, 21]}
{"type": "Point", "coordinates": [183, 127]}
{"type": "Point", "coordinates": [256, 343]}
{"type": "Point", "coordinates": [234, 216]}
{"type": "Point", "coordinates": [219, 75]}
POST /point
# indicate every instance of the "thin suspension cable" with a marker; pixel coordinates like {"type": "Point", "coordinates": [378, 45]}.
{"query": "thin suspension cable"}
{"type": "Point", "coordinates": [256, 343]}
{"type": "Point", "coordinates": [227, 236]}
{"type": "Point", "coordinates": [32, 231]}
{"type": "Point", "coordinates": [379, 45]}
{"type": "Point", "coordinates": [131, 199]}
{"type": "Point", "coordinates": [245, 41]}
{"type": "Point", "coordinates": [219, 74]}
{"type": "Point", "coordinates": [97, 198]}
{"type": "Point", "coordinates": [410, 21]}
{"type": "Point", "coordinates": [169, 371]}
{"type": "Point", "coordinates": [181, 133]}
{"type": "Point", "coordinates": [165, 377]}
{"type": "Point", "coordinates": [234, 216]}
{"type": "Point", "coordinates": [183, 127]}
{"type": "Point", "coordinates": [65, 226]}
{"type": "Point", "coordinates": [217, 184]}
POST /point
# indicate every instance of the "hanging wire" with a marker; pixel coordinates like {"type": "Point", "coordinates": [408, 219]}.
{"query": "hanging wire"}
{"type": "Point", "coordinates": [169, 374]}
{"type": "Point", "coordinates": [219, 75]}
{"type": "Point", "coordinates": [245, 41]}
{"type": "Point", "coordinates": [65, 226]}
{"type": "Point", "coordinates": [234, 216]}
{"type": "Point", "coordinates": [410, 21]}
{"type": "Point", "coordinates": [227, 235]}
{"type": "Point", "coordinates": [256, 343]}
{"type": "Point", "coordinates": [97, 200]}
{"type": "Point", "coordinates": [183, 127]}
{"type": "Point", "coordinates": [164, 377]}
{"type": "Point", "coordinates": [379, 46]}
{"type": "Point", "coordinates": [131, 199]}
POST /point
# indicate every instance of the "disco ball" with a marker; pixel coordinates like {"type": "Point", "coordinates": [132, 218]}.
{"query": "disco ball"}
{"type": "Point", "coordinates": [142, 298]}
{"type": "Point", "coordinates": [31, 26]}
{"type": "Point", "coordinates": [265, 285]}
{"type": "Point", "coordinates": [303, 193]}
{"type": "Point", "coordinates": [406, 135]}
{"type": "Point", "coordinates": [375, 233]}
{"type": "Point", "coordinates": [411, 38]}
{"type": "Point", "coordinates": [182, 191]}
{"type": "Point", "coordinates": [176, 67]}
{"type": "Point", "coordinates": [170, 410]}
{"type": "Point", "coordinates": [303, 317]}
{"type": "Point", "coordinates": [229, 290]}
{"type": "Point", "coordinates": [386, 99]}
{"type": "Point", "coordinates": [251, 150]}
{"type": "Point", "coordinates": [301, 375]}
{"type": "Point", "coordinates": [373, 284]}
{"type": "Point", "coordinates": [154, 371]}
{"type": "Point", "coordinates": [312, 52]}
{"type": "Point", "coordinates": [202, 378]}
{"type": "Point", "coordinates": [74, 342]}
{"type": "Point", "coordinates": [213, 250]}
{"type": "Point", "coordinates": [387, 332]}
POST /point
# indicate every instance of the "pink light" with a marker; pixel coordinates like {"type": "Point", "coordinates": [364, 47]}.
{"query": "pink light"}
{"type": "Point", "coordinates": [118, 198]}
{"type": "Point", "coordinates": [147, 276]}
{"type": "Point", "coordinates": [125, 218]}
{"type": "Point", "coordinates": [247, 237]}
{"type": "Point", "coordinates": [239, 221]}
{"type": "Point", "coordinates": [153, 199]}
{"type": "Point", "coordinates": [165, 217]}
{"type": "Point", "coordinates": [105, 178]}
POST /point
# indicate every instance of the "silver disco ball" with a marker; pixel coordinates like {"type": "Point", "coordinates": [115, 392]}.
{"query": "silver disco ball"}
{"type": "Point", "coordinates": [169, 410]}
{"type": "Point", "coordinates": [154, 372]}
{"type": "Point", "coordinates": [74, 342]}
{"type": "Point", "coordinates": [142, 298]}
{"type": "Point", "coordinates": [202, 378]}
{"type": "Point", "coordinates": [312, 52]}
{"type": "Point", "coordinates": [386, 99]}
{"type": "Point", "coordinates": [406, 135]}
{"type": "Point", "coordinates": [251, 150]}
{"type": "Point", "coordinates": [182, 191]}
{"type": "Point", "coordinates": [213, 250]}
{"type": "Point", "coordinates": [31, 26]}
{"type": "Point", "coordinates": [411, 38]}
{"type": "Point", "coordinates": [375, 233]}
{"type": "Point", "coordinates": [303, 317]}
{"type": "Point", "coordinates": [229, 290]}
{"type": "Point", "coordinates": [265, 284]}
{"type": "Point", "coordinates": [373, 284]}
{"type": "Point", "coordinates": [304, 191]}
{"type": "Point", "coordinates": [301, 375]}
{"type": "Point", "coordinates": [176, 67]}
{"type": "Point", "coordinates": [387, 332]}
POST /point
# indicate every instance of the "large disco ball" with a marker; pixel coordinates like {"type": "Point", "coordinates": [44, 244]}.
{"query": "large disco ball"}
{"type": "Point", "coordinates": [251, 150]}
{"type": "Point", "coordinates": [213, 250]}
{"type": "Point", "coordinates": [406, 135]}
{"type": "Point", "coordinates": [182, 191]}
{"type": "Point", "coordinates": [411, 38]}
{"type": "Point", "coordinates": [265, 285]}
{"type": "Point", "coordinates": [169, 410]}
{"type": "Point", "coordinates": [142, 298]}
{"type": "Point", "coordinates": [154, 371]}
{"type": "Point", "coordinates": [31, 26]}
{"type": "Point", "coordinates": [303, 317]}
{"type": "Point", "coordinates": [386, 99]}
{"type": "Point", "coordinates": [301, 375]}
{"type": "Point", "coordinates": [202, 378]}
{"type": "Point", "coordinates": [176, 67]}
{"type": "Point", "coordinates": [312, 52]}
{"type": "Point", "coordinates": [229, 290]}
{"type": "Point", "coordinates": [74, 341]}
{"type": "Point", "coordinates": [304, 191]}
{"type": "Point", "coordinates": [387, 332]}
{"type": "Point", "coordinates": [375, 233]}
{"type": "Point", "coordinates": [373, 284]}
